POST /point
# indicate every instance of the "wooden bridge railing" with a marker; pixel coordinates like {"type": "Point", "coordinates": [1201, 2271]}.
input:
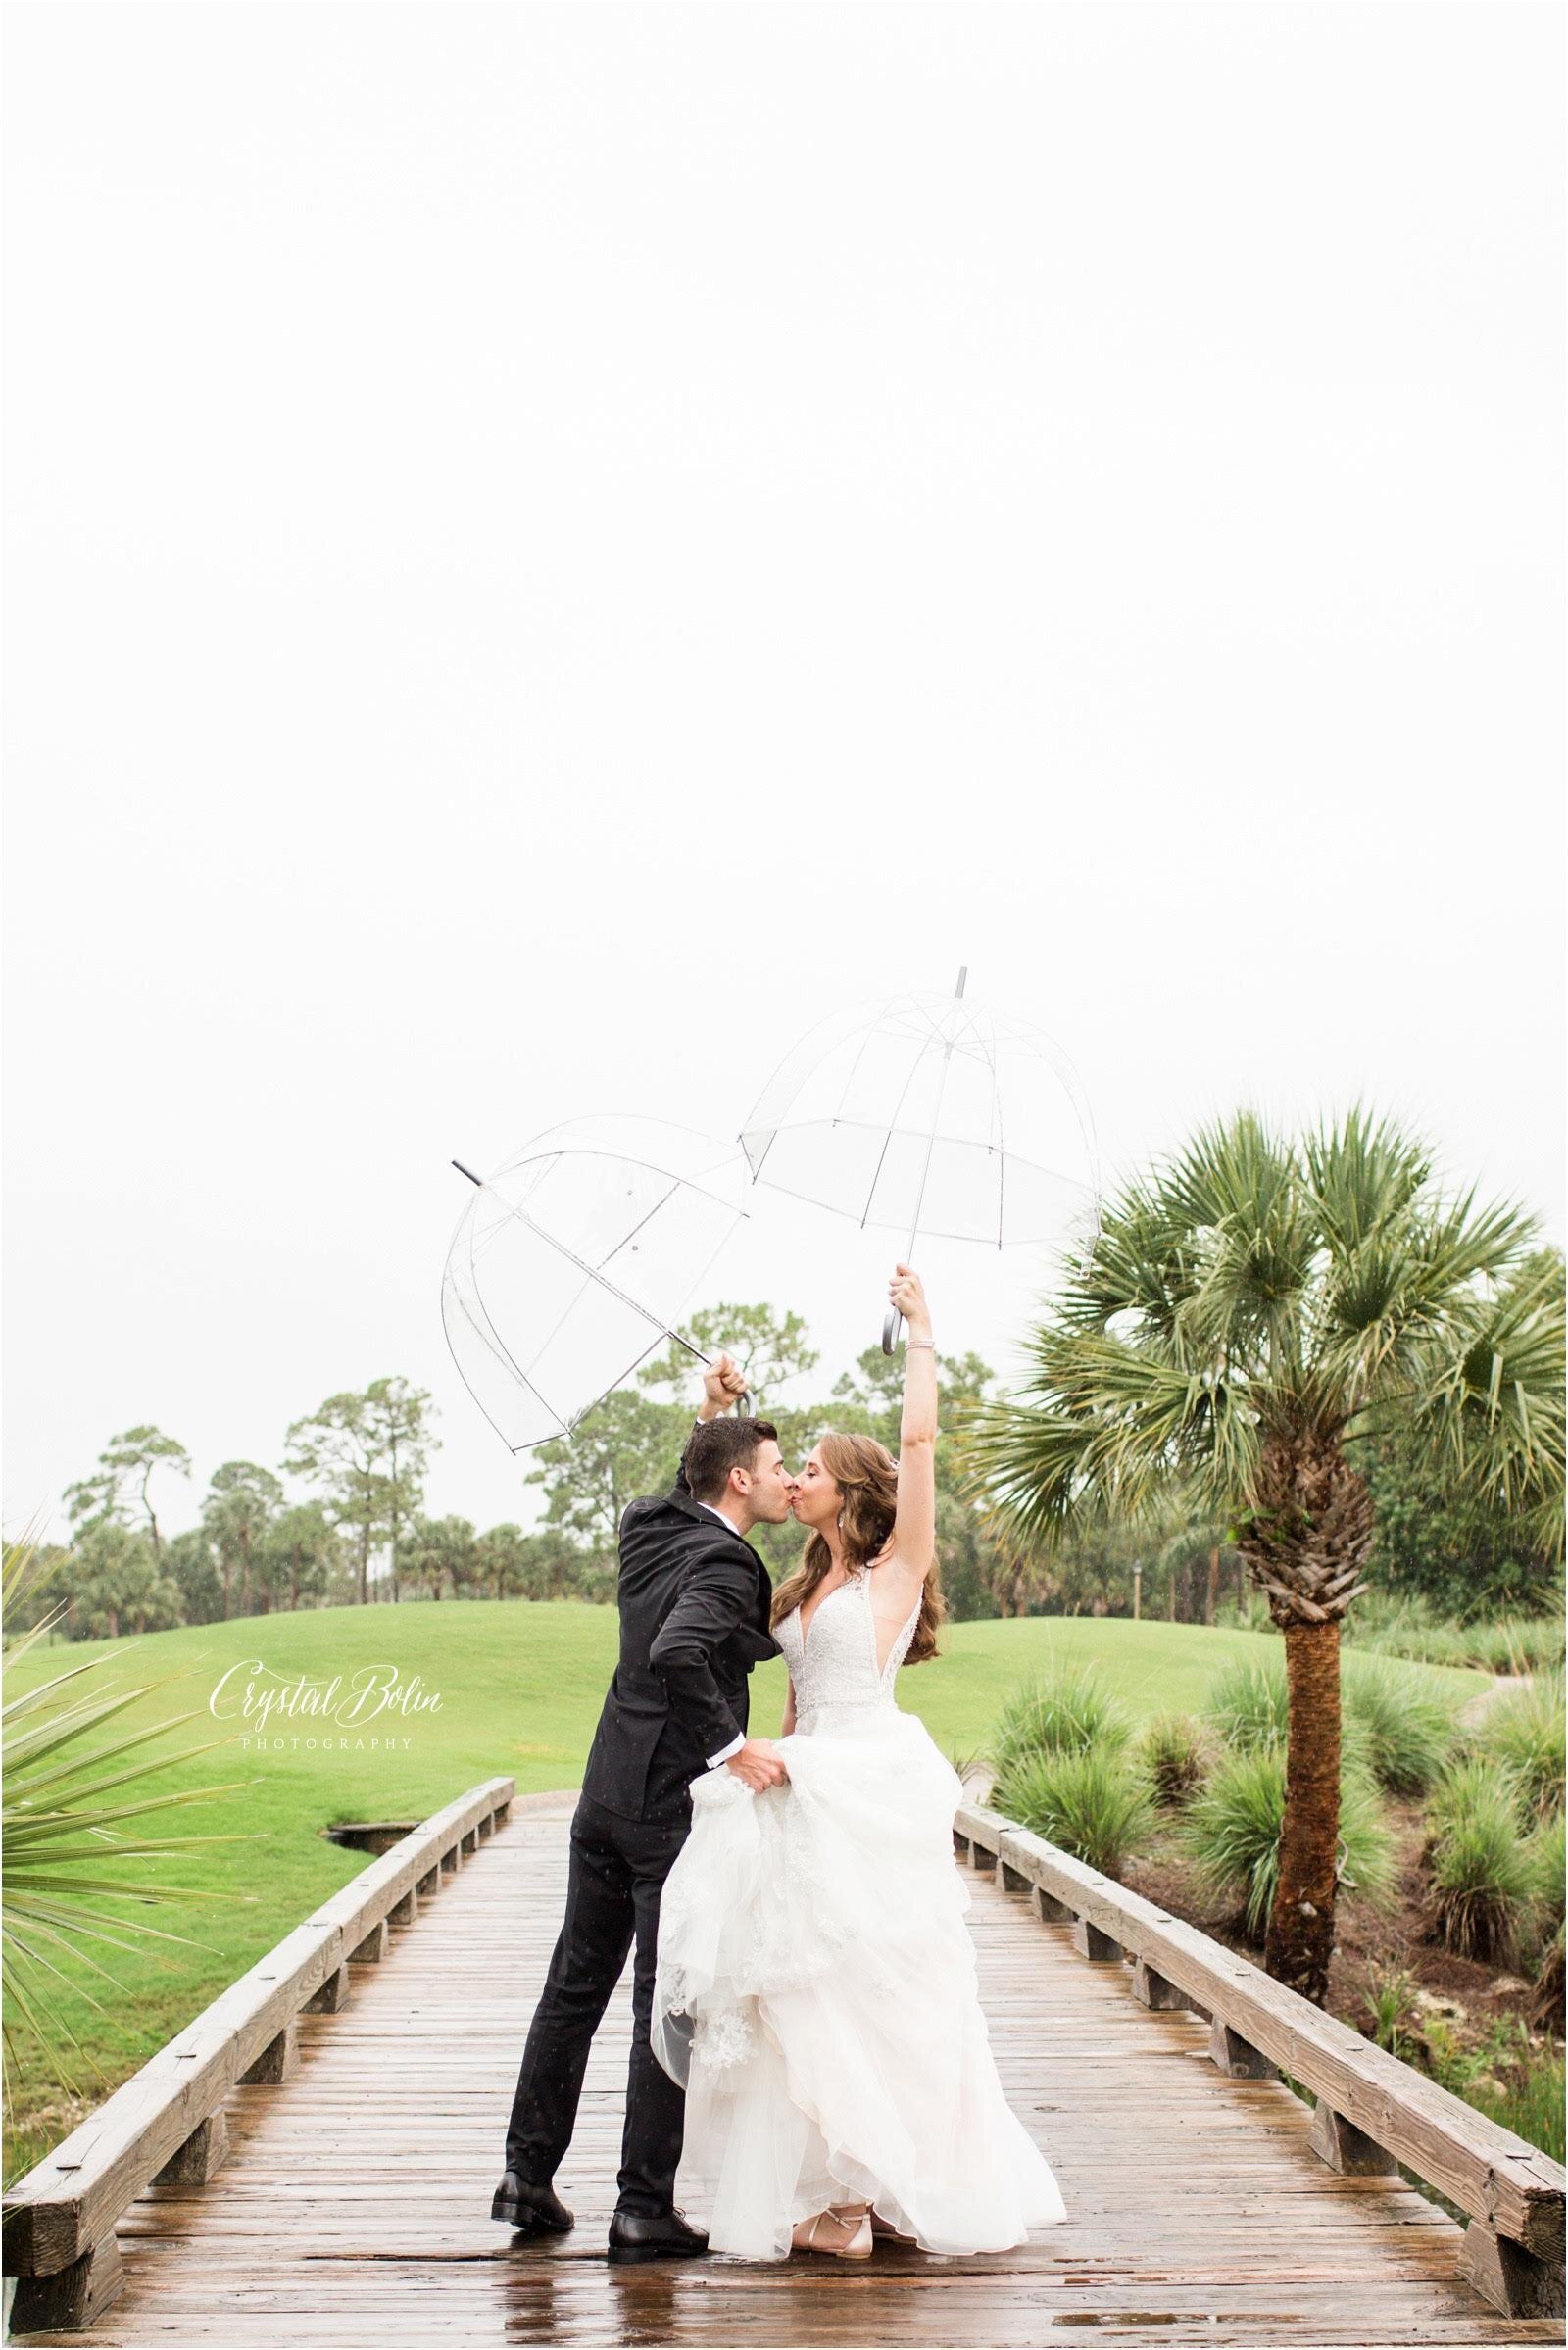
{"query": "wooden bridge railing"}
{"type": "Point", "coordinates": [1374, 2112]}
{"type": "Point", "coordinates": [165, 2125]}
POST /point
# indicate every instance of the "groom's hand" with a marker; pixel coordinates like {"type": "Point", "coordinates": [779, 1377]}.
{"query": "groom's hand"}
{"type": "Point", "coordinates": [722, 1383]}
{"type": "Point", "coordinates": [759, 1763]}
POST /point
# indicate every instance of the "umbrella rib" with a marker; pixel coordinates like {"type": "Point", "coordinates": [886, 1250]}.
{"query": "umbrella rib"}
{"type": "Point", "coordinates": [593, 1274]}
{"type": "Point", "coordinates": [892, 1128]}
{"type": "Point", "coordinates": [525, 1376]}
{"type": "Point", "coordinates": [930, 1146]}
{"type": "Point", "coordinates": [499, 1352]}
{"type": "Point", "coordinates": [854, 1070]}
{"type": "Point", "coordinates": [627, 1238]}
{"type": "Point", "coordinates": [988, 1047]}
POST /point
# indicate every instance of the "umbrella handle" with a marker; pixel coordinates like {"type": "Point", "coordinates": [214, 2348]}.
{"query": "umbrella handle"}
{"type": "Point", "coordinates": [744, 1406]}
{"type": "Point", "coordinates": [892, 1323]}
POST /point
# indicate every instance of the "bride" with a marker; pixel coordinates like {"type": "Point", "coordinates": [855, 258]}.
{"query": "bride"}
{"type": "Point", "coordinates": [815, 1990]}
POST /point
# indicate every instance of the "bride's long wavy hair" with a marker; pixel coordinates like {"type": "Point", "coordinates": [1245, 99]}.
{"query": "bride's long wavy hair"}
{"type": "Point", "coordinates": [867, 1476]}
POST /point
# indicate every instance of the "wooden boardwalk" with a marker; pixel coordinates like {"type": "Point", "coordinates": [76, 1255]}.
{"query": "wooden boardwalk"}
{"type": "Point", "coordinates": [353, 2208]}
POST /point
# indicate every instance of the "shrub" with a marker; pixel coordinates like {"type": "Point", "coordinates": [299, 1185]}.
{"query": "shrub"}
{"type": "Point", "coordinates": [1088, 1802]}
{"type": "Point", "coordinates": [1409, 1627]}
{"type": "Point", "coordinates": [1549, 1854]}
{"type": "Point", "coordinates": [1176, 1755]}
{"type": "Point", "coordinates": [1524, 1734]}
{"type": "Point", "coordinates": [1231, 1833]}
{"type": "Point", "coordinates": [1516, 1644]}
{"type": "Point", "coordinates": [1248, 1703]}
{"type": "Point", "coordinates": [1388, 1996]}
{"type": "Point", "coordinates": [1484, 1874]}
{"type": "Point", "coordinates": [1065, 1710]}
{"type": "Point", "coordinates": [1548, 1857]}
{"type": "Point", "coordinates": [1403, 1729]}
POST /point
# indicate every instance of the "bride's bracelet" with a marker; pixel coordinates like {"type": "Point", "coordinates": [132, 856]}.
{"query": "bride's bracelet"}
{"type": "Point", "coordinates": [931, 1343]}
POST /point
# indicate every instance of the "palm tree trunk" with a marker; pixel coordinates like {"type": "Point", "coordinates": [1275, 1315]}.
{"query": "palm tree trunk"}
{"type": "Point", "coordinates": [1301, 1930]}
{"type": "Point", "coordinates": [1211, 1596]}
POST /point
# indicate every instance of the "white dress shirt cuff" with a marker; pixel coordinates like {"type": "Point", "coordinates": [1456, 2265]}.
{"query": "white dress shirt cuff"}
{"type": "Point", "coordinates": [734, 1748]}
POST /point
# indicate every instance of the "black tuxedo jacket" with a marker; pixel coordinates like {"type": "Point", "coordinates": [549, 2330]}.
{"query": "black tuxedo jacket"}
{"type": "Point", "coordinates": [694, 1601]}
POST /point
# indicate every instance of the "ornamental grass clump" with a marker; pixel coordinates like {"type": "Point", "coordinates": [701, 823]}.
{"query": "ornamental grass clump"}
{"type": "Point", "coordinates": [1405, 1730]}
{"type": "Point", "coordinates": [1523, 1733]}
{"type": "Point", "coordinates": [1233, 1824]}
{"type": "Point", "coordinates": [1549, 1854]}
{"type": "Point", "coordinates": [1485, 1876]}
{"type": "Point", "coordinates": [1065, 1710]}
{"type": "Point", "coordinates": [1087, 1801]}
{"type": "Point", "coordinates": [1176, 1754]}
{"type": "Point", "coordinates": [1249, 1705]}
{"type": "Point", "coordinates": [1516, 1644]}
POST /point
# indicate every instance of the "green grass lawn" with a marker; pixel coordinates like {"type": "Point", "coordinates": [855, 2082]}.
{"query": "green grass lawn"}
{"type": "Point", "coordinates": [521, 1684]}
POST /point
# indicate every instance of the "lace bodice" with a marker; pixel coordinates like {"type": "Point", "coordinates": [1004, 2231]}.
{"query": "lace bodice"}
{"type": "Point", "coordinates": [836, 1663]}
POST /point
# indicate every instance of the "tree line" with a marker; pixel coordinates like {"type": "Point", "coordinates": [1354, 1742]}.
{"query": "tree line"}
{"type": "Point", "coordinates": [354, 1529]}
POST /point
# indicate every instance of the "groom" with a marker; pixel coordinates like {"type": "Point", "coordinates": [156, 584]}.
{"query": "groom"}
{"type": "Point", "coordinates": [694, 1601]}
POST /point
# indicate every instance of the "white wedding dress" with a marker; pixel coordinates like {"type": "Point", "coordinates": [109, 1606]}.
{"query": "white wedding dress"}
{"type": "Point", "coordinates": [816, 1987]}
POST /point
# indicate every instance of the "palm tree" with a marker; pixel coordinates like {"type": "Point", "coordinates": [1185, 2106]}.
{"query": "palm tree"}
{"type": "Point", "coordinates": [1242, 1313]}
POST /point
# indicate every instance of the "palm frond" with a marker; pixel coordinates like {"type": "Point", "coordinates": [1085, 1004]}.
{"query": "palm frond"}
{"type": "Point", "coordinates": [63, 1845]}
{"type": "Point", "coordinates": [1246, 1289]}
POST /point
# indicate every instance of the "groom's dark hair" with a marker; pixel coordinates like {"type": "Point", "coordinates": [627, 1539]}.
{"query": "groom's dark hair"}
{"type": "Point", "coordinates": [718, 1446]}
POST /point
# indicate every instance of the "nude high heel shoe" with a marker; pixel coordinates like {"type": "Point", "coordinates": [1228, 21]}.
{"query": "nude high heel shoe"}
{"type": "Point", "coordinates": [853, 2224]}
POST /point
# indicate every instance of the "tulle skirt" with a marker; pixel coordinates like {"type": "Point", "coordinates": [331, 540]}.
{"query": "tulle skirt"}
{"type": "Point", "coordinates": [816, 1995]}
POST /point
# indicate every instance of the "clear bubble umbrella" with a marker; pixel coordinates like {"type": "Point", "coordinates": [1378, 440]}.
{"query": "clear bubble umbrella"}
{"type": "Point", "coordinates": [927, 1113]}
{"type": "Point", "coordinates": [571, 1264]}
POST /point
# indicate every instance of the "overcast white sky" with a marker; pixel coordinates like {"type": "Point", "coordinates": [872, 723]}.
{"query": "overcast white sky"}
{"type": "Point", "coordinates": [549, 544]}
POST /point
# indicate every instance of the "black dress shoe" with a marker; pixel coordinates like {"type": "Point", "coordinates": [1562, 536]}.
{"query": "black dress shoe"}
{"type": "Point", "coordinates": [668, 2237]}
{"type": "Point", "coordinates": [536, 2210]}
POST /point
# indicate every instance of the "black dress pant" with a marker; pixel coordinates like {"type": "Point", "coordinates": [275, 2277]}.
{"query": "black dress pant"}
{"type": "Point", "coordinates": [616, 1874]}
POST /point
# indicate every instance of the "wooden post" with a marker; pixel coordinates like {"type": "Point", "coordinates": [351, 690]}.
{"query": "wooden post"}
{"type": "Point", "coordinates": [1050, 1910]}
{"type": "Point", "coordinates": [373, 1949]}
{"type": "Point", "coordinates": [332, 1996]}
{"type": "Point", "coordinates": [1346, 2148]}
{"type": "Point", "coordinates": [1238, 2057]}
{"type": "Point", "coordinates": [200, 2155]}
{"type": "Point", "coordinates": [1511, 2278]}
{"type": "Point", "coordinates": [406, 1911]}
{"type": "Point", "coordinates": [1152, 1987]}
{"type": "Point", "coordinates": [1011, 1881]}
{"type": "Point", "coordinates": [1088, 1940]}
{"type": "Point", "coordinates": [72, 2298]}
{"type": "Point", "coordinates": [279, 2060]}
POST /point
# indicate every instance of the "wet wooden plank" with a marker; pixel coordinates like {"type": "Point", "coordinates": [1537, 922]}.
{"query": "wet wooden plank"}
{"type": "Point", "coordinates": [353, 2205]}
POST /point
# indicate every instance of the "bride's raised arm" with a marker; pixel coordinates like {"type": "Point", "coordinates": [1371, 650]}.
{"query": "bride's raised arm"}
{"type": "Point", "coordinates": [914, 1525]}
